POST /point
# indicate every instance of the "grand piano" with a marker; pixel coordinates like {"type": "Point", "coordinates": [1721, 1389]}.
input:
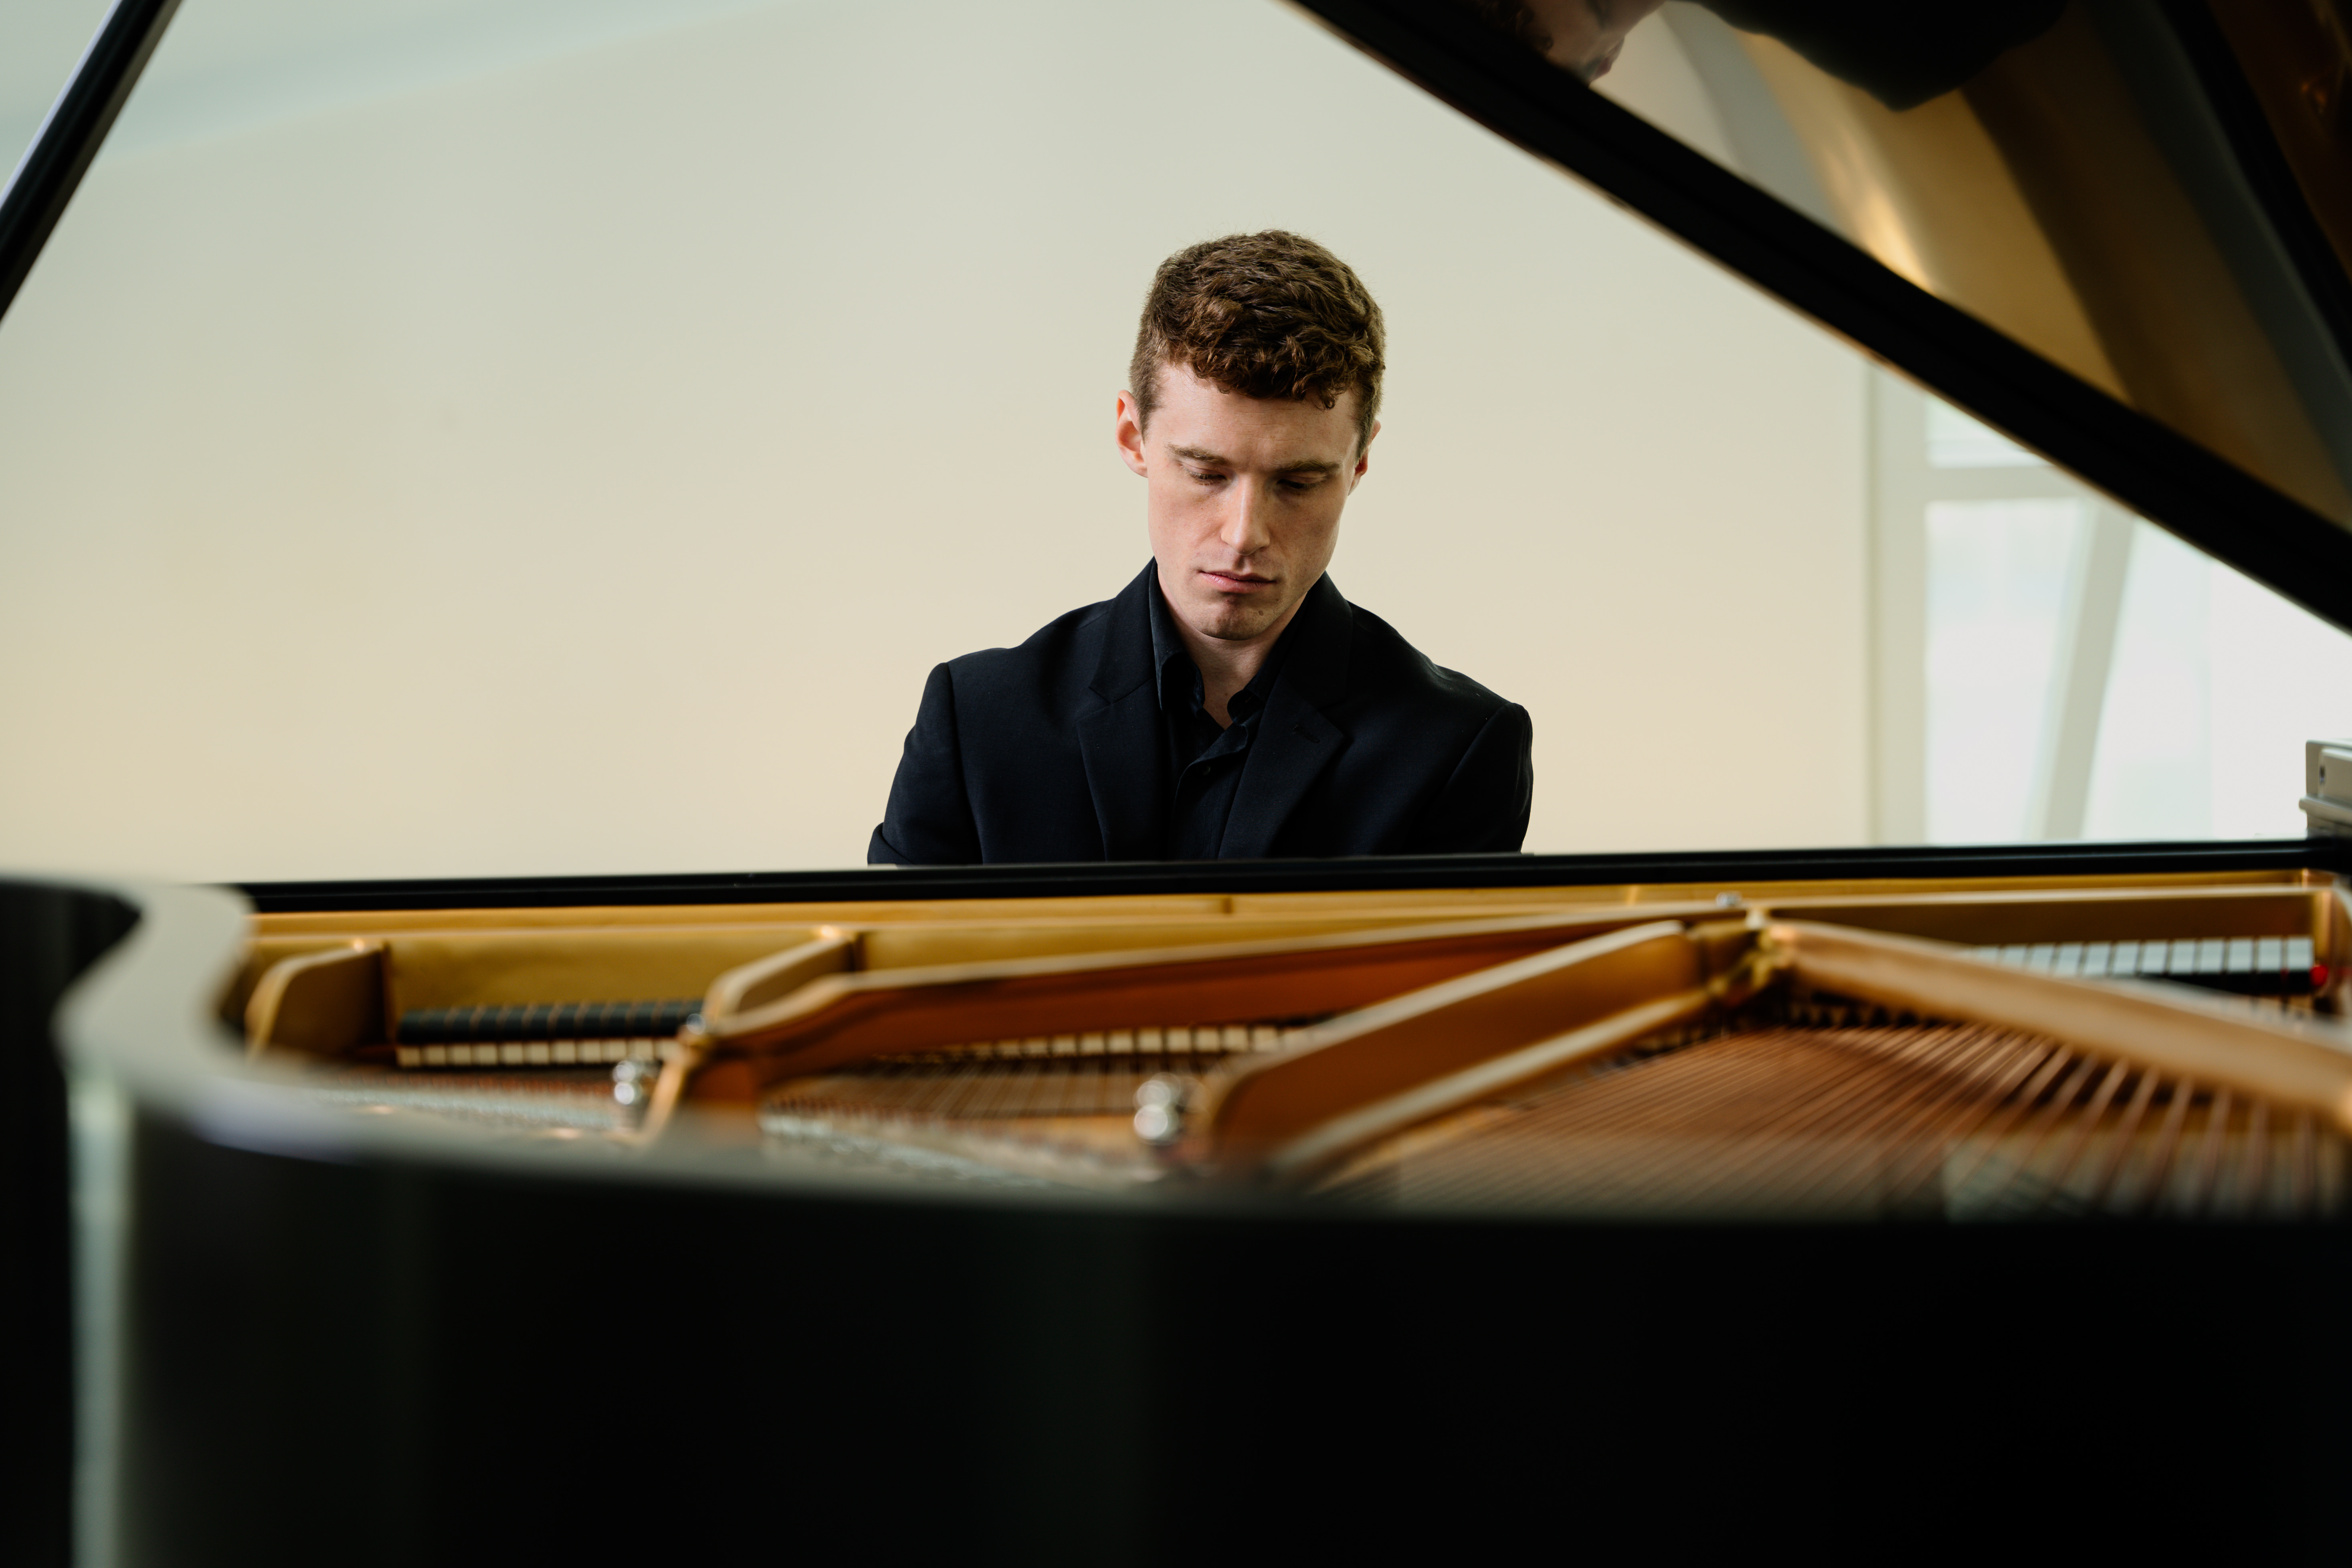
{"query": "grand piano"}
{"type": "Point", "coordinates": [1844, 1197]}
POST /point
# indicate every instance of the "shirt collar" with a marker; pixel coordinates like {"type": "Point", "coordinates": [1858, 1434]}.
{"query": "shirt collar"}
{"type": "Point", "coordinates": [1168, 646]}
{"type": "Point", "coordinates": [1165, 644]}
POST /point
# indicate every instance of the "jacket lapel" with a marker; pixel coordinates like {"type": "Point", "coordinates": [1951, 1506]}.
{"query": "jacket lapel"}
{"type": "Point", "coordinates": [1119, 742]}
{"type": "Point", "coordinates": [1294, 741]}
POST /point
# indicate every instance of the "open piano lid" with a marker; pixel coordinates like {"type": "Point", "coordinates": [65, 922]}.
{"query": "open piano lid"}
{"type": "Point", "coordinates": [2115, 231]}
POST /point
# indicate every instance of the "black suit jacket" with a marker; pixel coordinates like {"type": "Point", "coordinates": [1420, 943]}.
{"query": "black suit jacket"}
{"type": "Point", "coordinates": [1053, 751]}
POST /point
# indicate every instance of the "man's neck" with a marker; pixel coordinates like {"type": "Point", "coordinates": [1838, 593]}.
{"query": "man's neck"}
{"type": "Point", "coordinates": [1226, 667]}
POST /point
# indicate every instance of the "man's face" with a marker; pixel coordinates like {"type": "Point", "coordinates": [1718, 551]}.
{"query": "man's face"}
{"type": "Point", "coordinates": [1244, 498]}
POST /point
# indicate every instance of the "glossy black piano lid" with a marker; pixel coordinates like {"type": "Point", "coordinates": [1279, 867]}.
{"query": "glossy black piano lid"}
{"type": "Point", "coordinates": [84, 112]}
{"type": "Point", "coordinates": [2301, 300]}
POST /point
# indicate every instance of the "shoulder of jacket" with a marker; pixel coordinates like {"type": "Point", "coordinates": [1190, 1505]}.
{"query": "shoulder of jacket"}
{"type": "Point", "coordinates": [1387, 663]}
{"type": "Point", "coordinates": [1050, 646]}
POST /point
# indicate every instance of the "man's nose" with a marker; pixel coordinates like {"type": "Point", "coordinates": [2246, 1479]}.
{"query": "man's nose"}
{"type": "Point", "coordinates": [1245, 528]}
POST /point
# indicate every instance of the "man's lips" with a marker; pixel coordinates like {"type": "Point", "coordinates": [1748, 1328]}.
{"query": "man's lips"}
{"type": "Point", "coordinates": [1239, 581]}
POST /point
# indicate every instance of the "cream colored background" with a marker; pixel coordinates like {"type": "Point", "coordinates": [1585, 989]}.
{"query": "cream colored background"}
{"type": "Point", "coordinates": [508, 438]}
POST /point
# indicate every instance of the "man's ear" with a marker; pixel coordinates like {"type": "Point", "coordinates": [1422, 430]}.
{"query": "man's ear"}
{"type": "Point", "coordinates": [1364, 456]}
{"type": "Point", "coordinates": [1126, 429]}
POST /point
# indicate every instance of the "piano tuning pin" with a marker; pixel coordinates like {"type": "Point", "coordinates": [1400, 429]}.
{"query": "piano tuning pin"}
{"type": "Point", "coordinates": [633, 1083]}
{"type": "Point", "coordinates": [1159, 1108]}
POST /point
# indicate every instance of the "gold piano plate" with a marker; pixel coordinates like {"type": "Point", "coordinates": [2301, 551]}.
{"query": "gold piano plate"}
{"type": "Point", "coordinates": [2123, 1046]}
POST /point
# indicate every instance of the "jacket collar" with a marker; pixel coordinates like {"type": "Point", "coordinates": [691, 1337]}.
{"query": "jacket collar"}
{"type": "Point", "coordinates": [1119, 742]}
{"type": "Point", "coordinates": [1126, 662]}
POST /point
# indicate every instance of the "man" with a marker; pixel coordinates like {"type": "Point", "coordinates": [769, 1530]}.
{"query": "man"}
{"type": "Point", "coordinates": [1229, 703]}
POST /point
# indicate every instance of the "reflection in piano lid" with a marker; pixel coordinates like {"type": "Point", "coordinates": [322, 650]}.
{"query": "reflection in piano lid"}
{"type": "Point", "coordinates": [2143, 199]}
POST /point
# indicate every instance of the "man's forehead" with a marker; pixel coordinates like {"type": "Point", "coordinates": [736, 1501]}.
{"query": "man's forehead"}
{"type": "Point", "coordinates": [1199, 419]}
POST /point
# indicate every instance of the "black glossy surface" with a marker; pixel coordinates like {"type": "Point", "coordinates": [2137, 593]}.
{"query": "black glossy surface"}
{"type": "Point", "coordinates": [47, 937]}
{"type": "Point", "coordinates": [357, 1364]}
{"type": "Point", "coordinates": [1727, 867]}
{"type": "Point", "coordinates": [2263, 166]}
{"type": "Point", "coordinates": [78, 121]}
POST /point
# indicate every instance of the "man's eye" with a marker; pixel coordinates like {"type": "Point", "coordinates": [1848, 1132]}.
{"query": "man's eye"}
{"type": "Point", "coordinates": [1201, 476]}
{"type": "Point", "coordinates": [1299, 487]}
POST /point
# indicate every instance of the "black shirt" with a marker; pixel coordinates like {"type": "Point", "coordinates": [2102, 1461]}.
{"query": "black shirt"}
{"type": "Point", "coordinates": [1203, 759]}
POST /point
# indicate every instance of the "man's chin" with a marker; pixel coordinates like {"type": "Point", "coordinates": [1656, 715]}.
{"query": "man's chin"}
{"type": "Point", "coordinates": [1229, 623]}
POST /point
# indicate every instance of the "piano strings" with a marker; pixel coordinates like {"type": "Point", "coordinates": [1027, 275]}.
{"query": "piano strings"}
{"type": "Point", "coordinates": [1920, 1119]}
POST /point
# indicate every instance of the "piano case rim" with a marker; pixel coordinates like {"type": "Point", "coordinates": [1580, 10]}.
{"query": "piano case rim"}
{"type": "Point", "coordinates": [123, 1019]}
{"type": "Point", "coordinates": [1397, 873]}
{"type": "Point", "coordinates": [318, 1301]}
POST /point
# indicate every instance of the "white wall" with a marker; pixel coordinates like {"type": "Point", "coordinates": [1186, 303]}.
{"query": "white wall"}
{"type": "Point", "coordinates": [570, 460]}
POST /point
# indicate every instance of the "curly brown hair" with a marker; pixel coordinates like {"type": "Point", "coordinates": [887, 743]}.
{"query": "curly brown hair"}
{"type": "Point", "coordinates": [1266, 315]}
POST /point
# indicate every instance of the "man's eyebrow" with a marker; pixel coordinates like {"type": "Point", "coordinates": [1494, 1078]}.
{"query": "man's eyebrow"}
{"type": "Point", "coordinates": [1303, 466]}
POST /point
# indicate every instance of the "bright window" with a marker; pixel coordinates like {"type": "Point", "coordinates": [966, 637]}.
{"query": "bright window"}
{"type": "Point", "coordinates": [2050, 667]}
